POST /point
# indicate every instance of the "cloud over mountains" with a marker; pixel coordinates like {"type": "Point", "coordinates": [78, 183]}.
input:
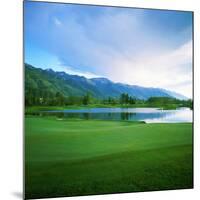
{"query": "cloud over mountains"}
{"type": "Point", "coordinates": [136, 46]}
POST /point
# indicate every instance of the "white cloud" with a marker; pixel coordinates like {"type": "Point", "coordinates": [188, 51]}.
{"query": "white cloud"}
{"type": "Point", "coordinates": [72, 71]}
{"type": "Point", "coordinates": [166, 69]}
{"type": "Point", "coordinates": [57, 21]}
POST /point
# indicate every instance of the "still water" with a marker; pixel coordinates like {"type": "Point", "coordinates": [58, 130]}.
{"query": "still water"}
{"type": "Point", "coordinates": [149, 115]}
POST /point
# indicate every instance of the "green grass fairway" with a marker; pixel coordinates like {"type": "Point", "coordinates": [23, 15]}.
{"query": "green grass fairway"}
{"type": "Point", "coordinates": [80, 157]}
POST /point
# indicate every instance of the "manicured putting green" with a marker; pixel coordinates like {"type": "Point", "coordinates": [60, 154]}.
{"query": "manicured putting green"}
{"type": "Point", "coordinates": [80, 157]}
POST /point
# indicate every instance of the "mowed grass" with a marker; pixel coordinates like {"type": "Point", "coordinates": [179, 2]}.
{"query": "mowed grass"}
{"type": "Point", "coordinates": [83, 157]}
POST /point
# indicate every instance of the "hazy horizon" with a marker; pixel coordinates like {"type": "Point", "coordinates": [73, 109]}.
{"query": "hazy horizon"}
{"type": "Point", "coordinates": [149, 48]}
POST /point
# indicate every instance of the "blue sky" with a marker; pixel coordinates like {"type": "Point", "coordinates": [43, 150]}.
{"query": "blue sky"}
{"type": "Point", "coordinates": [150, 48]}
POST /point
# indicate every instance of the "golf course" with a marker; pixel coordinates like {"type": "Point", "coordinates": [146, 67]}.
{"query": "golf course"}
{"type": "Point", "coordinates": [71, 157]}
{"type": "Point", "coordinates": [108, 99]}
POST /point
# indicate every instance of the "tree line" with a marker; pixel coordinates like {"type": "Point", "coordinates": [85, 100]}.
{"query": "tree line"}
{"type": "Point", "coordinates": [35, 98]}
{"type": "Point", "coordinates": [46, 98]}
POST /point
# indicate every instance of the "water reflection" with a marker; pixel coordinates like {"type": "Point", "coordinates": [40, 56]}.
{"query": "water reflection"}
{"type": "Point", "coordinates": [149, 115]}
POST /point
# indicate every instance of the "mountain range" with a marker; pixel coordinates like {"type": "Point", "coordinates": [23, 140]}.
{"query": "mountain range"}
{"type": "Point", "coordinates": [48, 80]}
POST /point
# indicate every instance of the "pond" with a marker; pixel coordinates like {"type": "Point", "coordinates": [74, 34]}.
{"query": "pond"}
{"type": "Point", "coordinates": [149, 115]}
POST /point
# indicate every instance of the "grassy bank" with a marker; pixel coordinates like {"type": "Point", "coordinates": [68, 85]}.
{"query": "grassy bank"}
{"type": "Point", "coordinates": [80, 157]}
